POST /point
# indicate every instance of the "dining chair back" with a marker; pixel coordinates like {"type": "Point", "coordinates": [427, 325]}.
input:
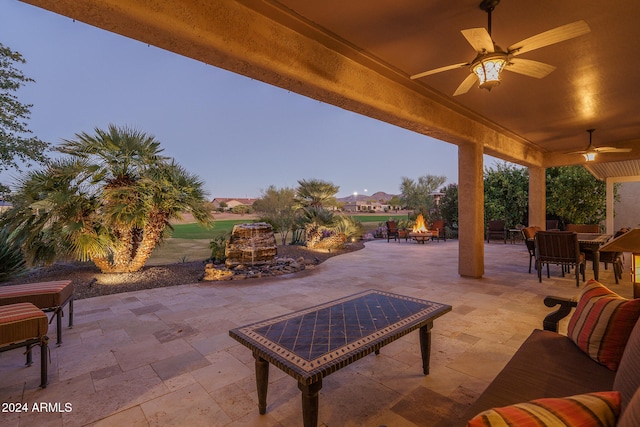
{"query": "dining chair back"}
{"type": "Point", "coordinates": [559, 248]}
{"type": "Point", "coordinates": [438, 230]}
{"type": "Point", "coordinates": [552, 224]}
{"type": "Point", "coordinates": [584, 228]}
{"type": "Point", "coordinates": [392, 231]}
{"type": "Point", "coordinates": [496, 228]}
{"type": "Point", "coordinates": [614, 258]}
{"type": "Point", "coordinates": [528, 235]}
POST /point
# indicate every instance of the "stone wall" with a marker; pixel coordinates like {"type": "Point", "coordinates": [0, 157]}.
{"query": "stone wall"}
{"type": "Point", "coordinates": [251, 244]}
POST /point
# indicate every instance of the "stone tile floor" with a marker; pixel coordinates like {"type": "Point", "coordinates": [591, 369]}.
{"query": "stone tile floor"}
{"type": "Point", "coordinates": [163, 357]}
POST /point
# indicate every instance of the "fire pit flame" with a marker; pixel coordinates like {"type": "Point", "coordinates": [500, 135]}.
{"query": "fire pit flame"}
{"type": "Point", "coordinates": [420, 226]}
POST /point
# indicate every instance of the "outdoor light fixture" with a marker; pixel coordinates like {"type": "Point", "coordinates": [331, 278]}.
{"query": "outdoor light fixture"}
{"type": "Point", "coordinates": [589, 156]}
{"type": "Point", "coordinates": [489, 68]}
{"type": "Point", "coordinates": [628, 242]}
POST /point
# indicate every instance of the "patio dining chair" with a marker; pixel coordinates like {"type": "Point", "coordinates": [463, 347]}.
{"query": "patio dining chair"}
{"type": "Point", "coordinates": [560, 248]}
{"type": "Point", "coordinates": [496, 228]}
{"type": "Point", "coordinates": [438, 230]}
{"type": "Point", "coordinates": [528, 235]}
{"type": "Point", "coordinates": [584, 228]}
{"type": "Point", "coordinates": [392, 231]}
{"type": "Point", "coordinates": [552, 225]}
{"type": "Point", "coordinates": [614, 258]}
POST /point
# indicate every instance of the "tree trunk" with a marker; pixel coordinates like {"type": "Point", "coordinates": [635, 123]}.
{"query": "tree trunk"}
{"type": "Point", "coordinates": [126, 259]}
{"type": "Point", "coordinates": [151, 236]}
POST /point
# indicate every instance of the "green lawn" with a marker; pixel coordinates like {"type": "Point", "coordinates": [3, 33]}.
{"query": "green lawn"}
{"type": "Point", "coordinates": [196, 231]}
{"type": "Point", "coordinates": [190, 242]}
{"type": "Point", "coordinates": [378, 218]}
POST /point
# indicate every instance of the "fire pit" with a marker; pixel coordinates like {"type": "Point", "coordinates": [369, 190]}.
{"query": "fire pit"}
{"type": "Point", "coordinates": [420, 233]}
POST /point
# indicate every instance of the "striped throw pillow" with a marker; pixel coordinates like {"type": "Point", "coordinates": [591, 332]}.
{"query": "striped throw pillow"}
{"type": "Point", "coordinates": [599, 409]}
{"type": "Point", "coordinates": [602, 323]}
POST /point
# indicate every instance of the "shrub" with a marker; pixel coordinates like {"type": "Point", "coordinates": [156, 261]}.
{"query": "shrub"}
{"type": "Point", "coordinates": [12, 261]}
{"type": "Point", "coordinates": [217, 246]}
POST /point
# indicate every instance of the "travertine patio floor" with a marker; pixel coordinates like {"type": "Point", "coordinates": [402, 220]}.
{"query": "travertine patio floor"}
{"type": "Point", "coordinates": [163, 357]}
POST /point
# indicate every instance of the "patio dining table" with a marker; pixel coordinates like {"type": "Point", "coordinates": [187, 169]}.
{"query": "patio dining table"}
{"type": "Point", "coordinates": [591, 242]}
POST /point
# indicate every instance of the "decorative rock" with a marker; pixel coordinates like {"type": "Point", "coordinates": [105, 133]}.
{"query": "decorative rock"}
{"type": "Point", "coordinates": [277, 267]}
{"type": "Point", "coordinates": [213, 274]}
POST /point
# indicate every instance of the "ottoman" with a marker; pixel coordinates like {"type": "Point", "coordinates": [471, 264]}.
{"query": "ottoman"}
{"type": "Point", "coordinates": [25, 325]}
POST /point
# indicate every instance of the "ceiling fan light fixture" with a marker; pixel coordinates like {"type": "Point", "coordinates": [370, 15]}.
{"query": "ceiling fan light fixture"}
{"type": "Point", "coordinates": [488, 70]}
{"type": "Point", "coordinates": [589, 156]}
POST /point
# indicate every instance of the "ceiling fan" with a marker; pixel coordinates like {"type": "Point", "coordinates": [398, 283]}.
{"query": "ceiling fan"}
{"type": "Point", "coordinates": [590, 152]}
{"type": "Point", "coordinates": [491, 59]}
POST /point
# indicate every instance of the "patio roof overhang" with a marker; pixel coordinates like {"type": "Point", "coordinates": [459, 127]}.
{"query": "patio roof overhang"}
{"type": "Point", "coordinates": [359, 56]}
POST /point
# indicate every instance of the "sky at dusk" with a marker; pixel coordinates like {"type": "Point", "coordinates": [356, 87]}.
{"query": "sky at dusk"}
{"type": "Point", "coordinates": [237, 134]}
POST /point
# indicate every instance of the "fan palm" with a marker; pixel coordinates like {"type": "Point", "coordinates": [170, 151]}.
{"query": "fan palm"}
{"type": "Point", "coordinates": [109, 201]}
{"type": "Point", "coordinates": [316, 193]}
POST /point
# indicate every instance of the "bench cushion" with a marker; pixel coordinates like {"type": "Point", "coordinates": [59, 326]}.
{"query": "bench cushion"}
{"type": "Point", "coordinates": [20, 322]}
{"type": "Point", "coordinates": [547, 364]}
{"type": "Point", "coordinates": [592, 409]}
{"type": "Point", "coordinates": [42, 295]}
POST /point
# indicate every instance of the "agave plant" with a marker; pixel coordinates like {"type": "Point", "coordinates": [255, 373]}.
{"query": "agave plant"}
{"type": "Point", "coordinates": [12, 261]}
{"type": "Point", "coordinates": [349, 226]}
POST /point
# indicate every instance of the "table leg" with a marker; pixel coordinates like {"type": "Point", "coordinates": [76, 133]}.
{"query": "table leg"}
{"type": "Point", "coordinates": [596, 263]}
{"type": "Point", "coordinates": [262, 382]}
{"type": "Point", "coordinates": [425, 346]}
{"type": "Point", "coordinates": [310, 403]}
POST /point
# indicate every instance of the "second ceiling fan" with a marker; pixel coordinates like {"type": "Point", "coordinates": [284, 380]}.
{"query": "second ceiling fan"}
{"type": "Point", "coordinates": [491, 59]}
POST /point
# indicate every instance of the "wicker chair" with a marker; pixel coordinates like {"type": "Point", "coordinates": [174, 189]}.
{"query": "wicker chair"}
{"type": "Point", "coordinates": [560, 248]}
{"type": "Point", "coordinates": [496, 228]}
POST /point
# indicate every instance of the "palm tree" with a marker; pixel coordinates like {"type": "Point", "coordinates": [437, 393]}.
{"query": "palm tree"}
{"type": "Point", "coordinates": [109, 200]}
{"type": "Point", "coordinates": [316, 193]}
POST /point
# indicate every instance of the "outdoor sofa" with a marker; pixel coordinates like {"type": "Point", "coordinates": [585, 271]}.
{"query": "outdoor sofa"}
{"type": "Point", "coordinates": [594, 368]}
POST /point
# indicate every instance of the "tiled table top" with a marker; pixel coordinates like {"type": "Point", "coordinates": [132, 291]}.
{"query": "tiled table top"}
{"type": "Point", "coordinates": [311, 343]}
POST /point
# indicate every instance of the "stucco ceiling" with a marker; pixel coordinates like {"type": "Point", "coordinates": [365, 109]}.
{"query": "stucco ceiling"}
{"type": "Point", "coordinates": [593, 86]}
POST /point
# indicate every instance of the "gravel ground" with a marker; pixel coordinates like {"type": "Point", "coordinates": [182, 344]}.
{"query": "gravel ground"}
{"type": "Point", "coordinates": [83, 274]}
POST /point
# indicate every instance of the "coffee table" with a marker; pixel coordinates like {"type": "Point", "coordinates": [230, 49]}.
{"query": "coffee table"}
{"type": "Point", "coordinates": [312, 343]}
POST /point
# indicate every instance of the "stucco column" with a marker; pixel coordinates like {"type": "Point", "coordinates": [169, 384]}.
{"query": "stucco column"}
{"type": "Point", "coordinates": [538, 197]}
{"type": "Point", "coordinates": [610, 228]}
{"type": "Point", "coordinates": [470, 211]}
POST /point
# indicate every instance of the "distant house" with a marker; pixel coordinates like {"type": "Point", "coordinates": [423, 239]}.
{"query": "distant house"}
{"type": "Point", "coordinates": [228, 203]}
{"type": "Point", "coordinates": [366, 206]}
{"type": "Point", "coordinates": [4, 206]}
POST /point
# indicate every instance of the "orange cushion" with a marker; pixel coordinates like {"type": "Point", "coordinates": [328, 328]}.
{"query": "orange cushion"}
{"type": "Point", "coordinates": [42, 295]}
{"type": "Point", "coordinates": [599, 409]}
{"type": "Point", "coordinates": [20, 322]}
{"type": "Point", "coordinates": [602, 323]}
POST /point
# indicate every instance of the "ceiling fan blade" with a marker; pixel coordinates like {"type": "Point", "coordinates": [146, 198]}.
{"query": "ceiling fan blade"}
{"type": "Point", "coordinates": [479, 39]}
{"type": "Point", "coordinates": [466, 84]}
{"type": "Point", "coordinates": [439, 70]}
{"type": "Point", "coordinates": [577, 152]}
{"type": "Point", "coordinates": [611, 150]}
{"type": "Point", "coordinates": [550, 37]}
{"type": "Point", "coordinates": [529, 68]}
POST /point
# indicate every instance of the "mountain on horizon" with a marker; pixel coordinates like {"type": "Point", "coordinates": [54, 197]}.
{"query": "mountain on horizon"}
{"type": "Point", "coordinates": [379, 196]}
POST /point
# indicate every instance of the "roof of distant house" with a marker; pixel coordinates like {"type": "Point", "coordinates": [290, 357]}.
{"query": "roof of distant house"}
{"type": "Point", "coordinates": [242, 200]}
